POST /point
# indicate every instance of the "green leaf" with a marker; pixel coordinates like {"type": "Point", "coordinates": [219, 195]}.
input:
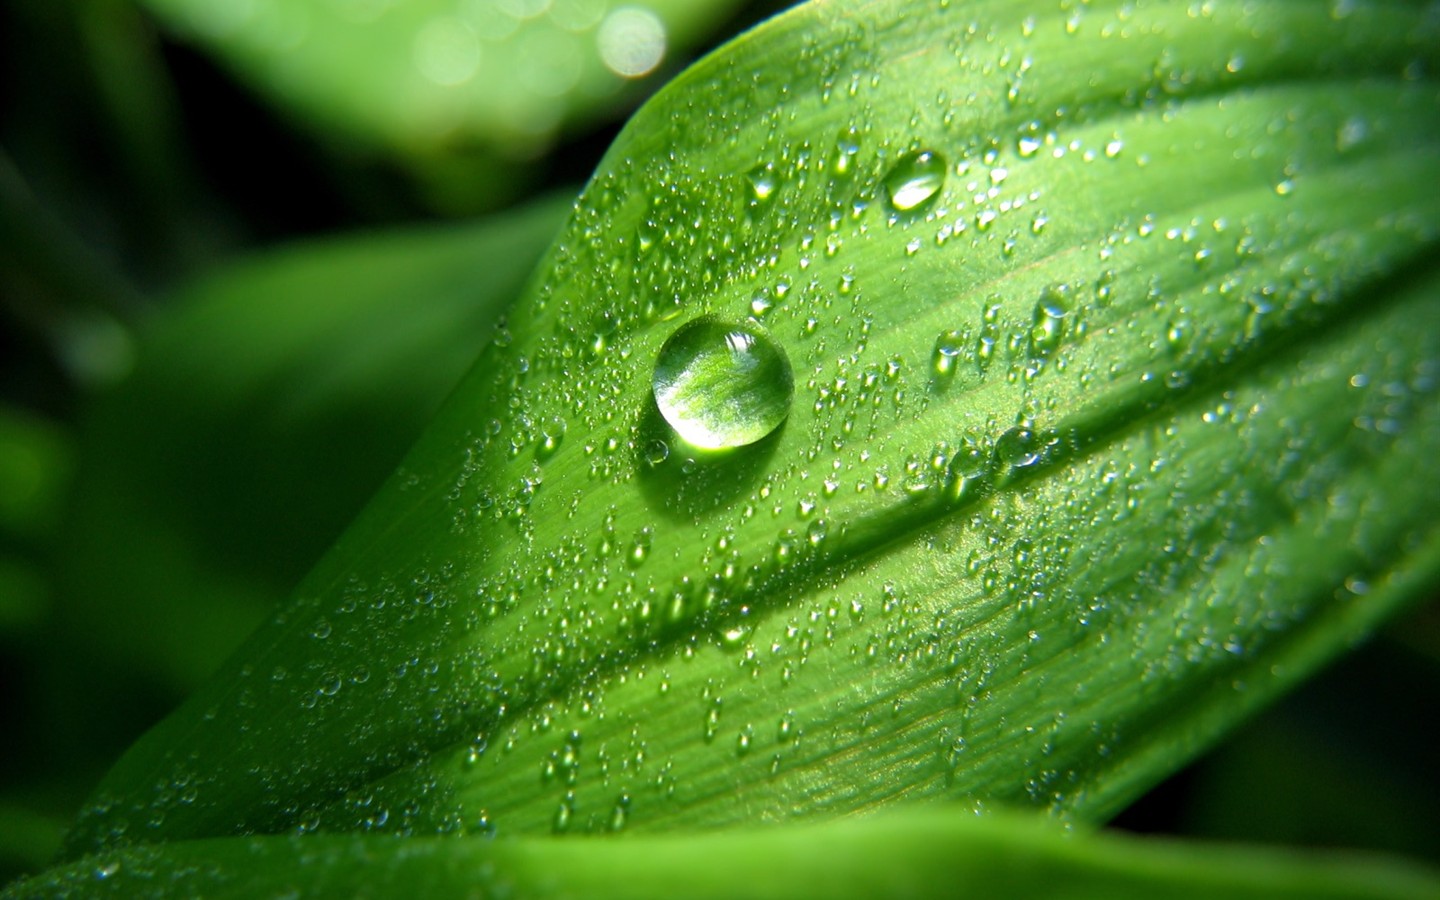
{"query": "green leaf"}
{"type": "Point", "coordinates": [418, 77]}
{"type": "Point", "coordinates": [920, 853]}
{"type": "Point", "coordinates": [35, 464]}
{"type": "Point", "coordinates": [264, 411]}
{"type": "Point", "coordinates": [35, 471]}
{"type": "Point", "coordinates": [1105, 432]}
{"type": "Point", "coordinates": [28, 838]}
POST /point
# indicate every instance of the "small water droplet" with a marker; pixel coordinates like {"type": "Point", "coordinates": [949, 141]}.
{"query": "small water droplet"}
{"type": "Point", "coordinates": [845, 150]}
{"type": "Point", "coordinates": [620, 814]}
{"type": "Point", "coordinates": [722, 386]}
{"type": "Point", "coordinates": [762, 182]}
{"type": "Point", "coordinates": [734, 636]}
{"type": "Point", "coordinates": [1018, 447]}
{"type": "Point", "coordinates": [484, 826]}
{"type": "Point", "coordinates": [966, 470]}
{"type": "Point", "coordinates": [712, 720]}
{"type": "Point", "coordinates": [551, 434]}
{"type": "Point", "coordinates": [563, 814]}
{"type": "Point", "coordinates": [915, 180]}
{"type": "Point", "coordinates": [656, 452]}
{"type": "Point", "coordinates": [949, 347]}
{"type": "Point", "coordinates": [640, 549]}
{"type": "Point", "coordinates": [817, 532]}
{"type": "Point", "coordinates": [1049, 318]}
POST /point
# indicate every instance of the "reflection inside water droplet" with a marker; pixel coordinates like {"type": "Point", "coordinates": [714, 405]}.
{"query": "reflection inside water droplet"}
{"type": "Point", "coordinates": [915, 180]}
{"type": "Point", "coordinates": [722, 385]}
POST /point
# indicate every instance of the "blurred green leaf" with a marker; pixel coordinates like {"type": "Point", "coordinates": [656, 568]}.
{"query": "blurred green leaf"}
{"type": "Point", "coordinates": [427, 79]}
{"type": "Point", "coordinates": [28, 839]}
{"type": "Point", "coordinates": [920, 853]}
{"type": "Point", "coordinates": [1337, 764]}
{"type": "Point", "coordinates": [35, 470]}
{"type": "Point", "coordinates": [94, 128]}
{"type": "Point", "coordinates": [264, 410]}
{"type": "Point", "coordinates": [1107, 429]}
{"type": "Point", "coordinates": [36, 465]}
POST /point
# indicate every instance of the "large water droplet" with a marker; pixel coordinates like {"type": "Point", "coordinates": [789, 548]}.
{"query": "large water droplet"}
{"type": "Point", "coordinates": [722, 385]}
{"type": "Point", "coordinates": [915, 180]}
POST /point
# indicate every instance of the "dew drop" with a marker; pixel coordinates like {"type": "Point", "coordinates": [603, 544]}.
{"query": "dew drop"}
{"type": "Point", "coordinates": [762, 182]}
{"type": "Point", "coordinates": [965, 471]}
{"type": "Point", "coordinates": [845, 150]}
{"type": "Point", "coordinates": [945, 360]}
{"type": "Point", "coordinates": [915, 180]}
{"type": "Point", "coordinates": [1018, 447]}
{"type": "Point", "coordinates": [712, 721]}
{"type": "Point", "coordinates": [817, 532]}
{"type": "Point", "coordinates": [787, 731]}
{"type": "Point", "coordinates": [656, 452]}
{"type": "Point", "coordinates": [734, 636]}
{"type": "Point", "coordinates": [722, 386]}
{"type": "Point", "coordinates": [620, 814]}
{"type": "Point", "coordinates": [551, 434]}
{"type": "Point", "coordinates": [1048, 319]}
{"type": "Point", "coordinates": [640, 549]}
{"type": "Point", "coordinates": [564, 813]}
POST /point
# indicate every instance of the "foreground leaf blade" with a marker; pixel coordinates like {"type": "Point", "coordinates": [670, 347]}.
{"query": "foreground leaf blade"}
{"type": "Point", "coordinates": [922, 853]}
{"type": "Point", "coordinates": [1097, 444]}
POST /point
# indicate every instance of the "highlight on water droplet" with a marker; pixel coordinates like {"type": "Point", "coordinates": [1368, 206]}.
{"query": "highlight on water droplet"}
{"type": "Point", "coordinates": [722, 385]}
{"type": "Point", "coordinates": [915, 180]}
